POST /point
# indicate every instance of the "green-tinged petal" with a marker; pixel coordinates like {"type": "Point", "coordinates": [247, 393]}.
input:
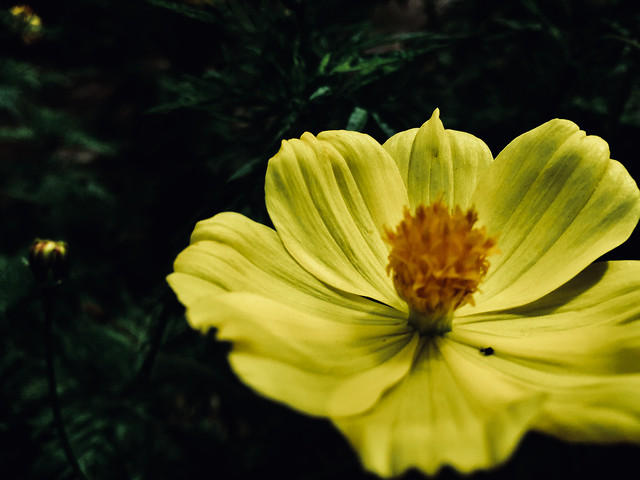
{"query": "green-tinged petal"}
{"type": "Point", "coordinates": [449, 410]}
{"type": "Point", "coordinates": [580, 345]}
{"type": "Point", "coordinates": [230, 252]}
{"type": "Point", "coordinates": [591, 410]}
{"type": "Point", "coordinates": [434, 161]}
{"type": "Point", "coordinates": [321, 366]}
{"type": "Point", "coordinates": [557, 202]}
{"type": "Point", "coordinates": [399, 147]}
{"type": "Point", "coordinates": [330, 198]}
{"type": "Point", "coordinates": [189, 288]}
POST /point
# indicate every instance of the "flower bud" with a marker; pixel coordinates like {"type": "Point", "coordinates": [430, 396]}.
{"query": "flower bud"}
{"type": "Point", "coordinates": [48, 261]}
{"type": "Point", "coordinates": [27, 23]}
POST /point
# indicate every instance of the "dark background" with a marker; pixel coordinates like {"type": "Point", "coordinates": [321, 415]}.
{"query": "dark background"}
{"type": "Point", "coordinates": [124, 122]}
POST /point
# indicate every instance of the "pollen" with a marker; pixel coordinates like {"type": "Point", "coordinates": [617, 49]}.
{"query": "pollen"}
{"type": "Point", "coordinates": [437, 260]}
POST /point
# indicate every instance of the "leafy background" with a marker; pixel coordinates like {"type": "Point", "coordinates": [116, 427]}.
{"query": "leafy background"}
{"type": "Point", "coordinates": [122, 123]}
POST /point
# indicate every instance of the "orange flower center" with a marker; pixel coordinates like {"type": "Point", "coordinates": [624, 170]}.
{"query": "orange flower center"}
{"type": "Point", "coordinates": [437, 260]}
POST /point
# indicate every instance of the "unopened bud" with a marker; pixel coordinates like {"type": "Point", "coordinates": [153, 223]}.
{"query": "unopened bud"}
{"type": "Point", "coordinates": [48, 261]}
{"type": "Point", "coordinates": [27, 23]}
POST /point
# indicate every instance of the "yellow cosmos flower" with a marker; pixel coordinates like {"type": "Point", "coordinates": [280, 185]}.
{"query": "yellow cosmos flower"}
{"type": "Point", "coordinates": [432, 302]}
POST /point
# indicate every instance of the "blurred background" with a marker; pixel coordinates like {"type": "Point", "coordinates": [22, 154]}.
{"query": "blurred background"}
{"type": "Point", "coordinates": [124, 122]}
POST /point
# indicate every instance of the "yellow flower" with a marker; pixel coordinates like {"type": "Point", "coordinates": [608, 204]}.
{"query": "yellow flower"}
{"type": "Point", "coordinates": [434, 303]}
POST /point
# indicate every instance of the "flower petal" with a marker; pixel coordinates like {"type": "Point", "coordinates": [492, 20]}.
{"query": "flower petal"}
{"type": "Point", "coordinates": [230, 252]}
{"type": "Point", "coordinates": [580, 345]}
{"type": "Point", "coordinates": [434, 161]}
{"type": "Point", "coordinates": [330, 198]}
{"type": "Point", "coordinates": [294, 338]}
{"type": "Point", "coordinates": [558, 202]}
{"type": "Point", "coordinates": [449, 410]}
{"type": "Point", "coordinates": [321, 366]}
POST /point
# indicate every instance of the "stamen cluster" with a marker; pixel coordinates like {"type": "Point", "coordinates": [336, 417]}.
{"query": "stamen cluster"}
{"type": "Point", "coordinates": [438, 259]}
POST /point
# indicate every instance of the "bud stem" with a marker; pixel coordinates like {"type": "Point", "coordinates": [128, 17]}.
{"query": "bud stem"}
{"type": "Point", "coordinates": [47, 301]}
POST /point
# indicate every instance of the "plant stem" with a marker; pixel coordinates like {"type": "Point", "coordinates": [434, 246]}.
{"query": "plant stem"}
{"type": "Point", "coordinates": [154, 347]}
{"type": "Point", "coordinates": [53, 386]}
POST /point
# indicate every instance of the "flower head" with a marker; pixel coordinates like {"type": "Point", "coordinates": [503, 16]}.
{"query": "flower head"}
{"type": "Point", "coordinates": [434, 303]}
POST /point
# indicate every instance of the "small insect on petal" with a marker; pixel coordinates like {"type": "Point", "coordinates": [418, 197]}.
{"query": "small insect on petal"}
{"type": "Point", "coordinates": [486, 351]}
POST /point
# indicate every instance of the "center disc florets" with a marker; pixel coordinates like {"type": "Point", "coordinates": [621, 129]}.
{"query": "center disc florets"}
{"type": "Point", "coordinates": [437, 260]}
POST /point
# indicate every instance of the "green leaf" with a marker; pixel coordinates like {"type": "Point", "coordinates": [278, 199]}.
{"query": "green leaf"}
{"type": "Point", "coordinates": [357, 120]}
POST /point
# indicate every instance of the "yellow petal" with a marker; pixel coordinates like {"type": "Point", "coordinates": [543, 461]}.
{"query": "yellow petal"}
{"type": "Point", "coordinates": [580, 345]}
{"type": "Point", "coordinates": [434, 161]}
{"type": "Point", "coordinates": [399, 147]}
{"type": "Point", "coordinates": [557, 202]}
{"type": "Point", "coordinates": [330, 198]}
{"type": "Point", "coordinates": [230, 252]}
{"type": "Point", "coordinates": [337, 366]}
{"type": "Point", "coordinates": [449, 410]}
{"type": "Point", "coordinates": [189, 288]}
